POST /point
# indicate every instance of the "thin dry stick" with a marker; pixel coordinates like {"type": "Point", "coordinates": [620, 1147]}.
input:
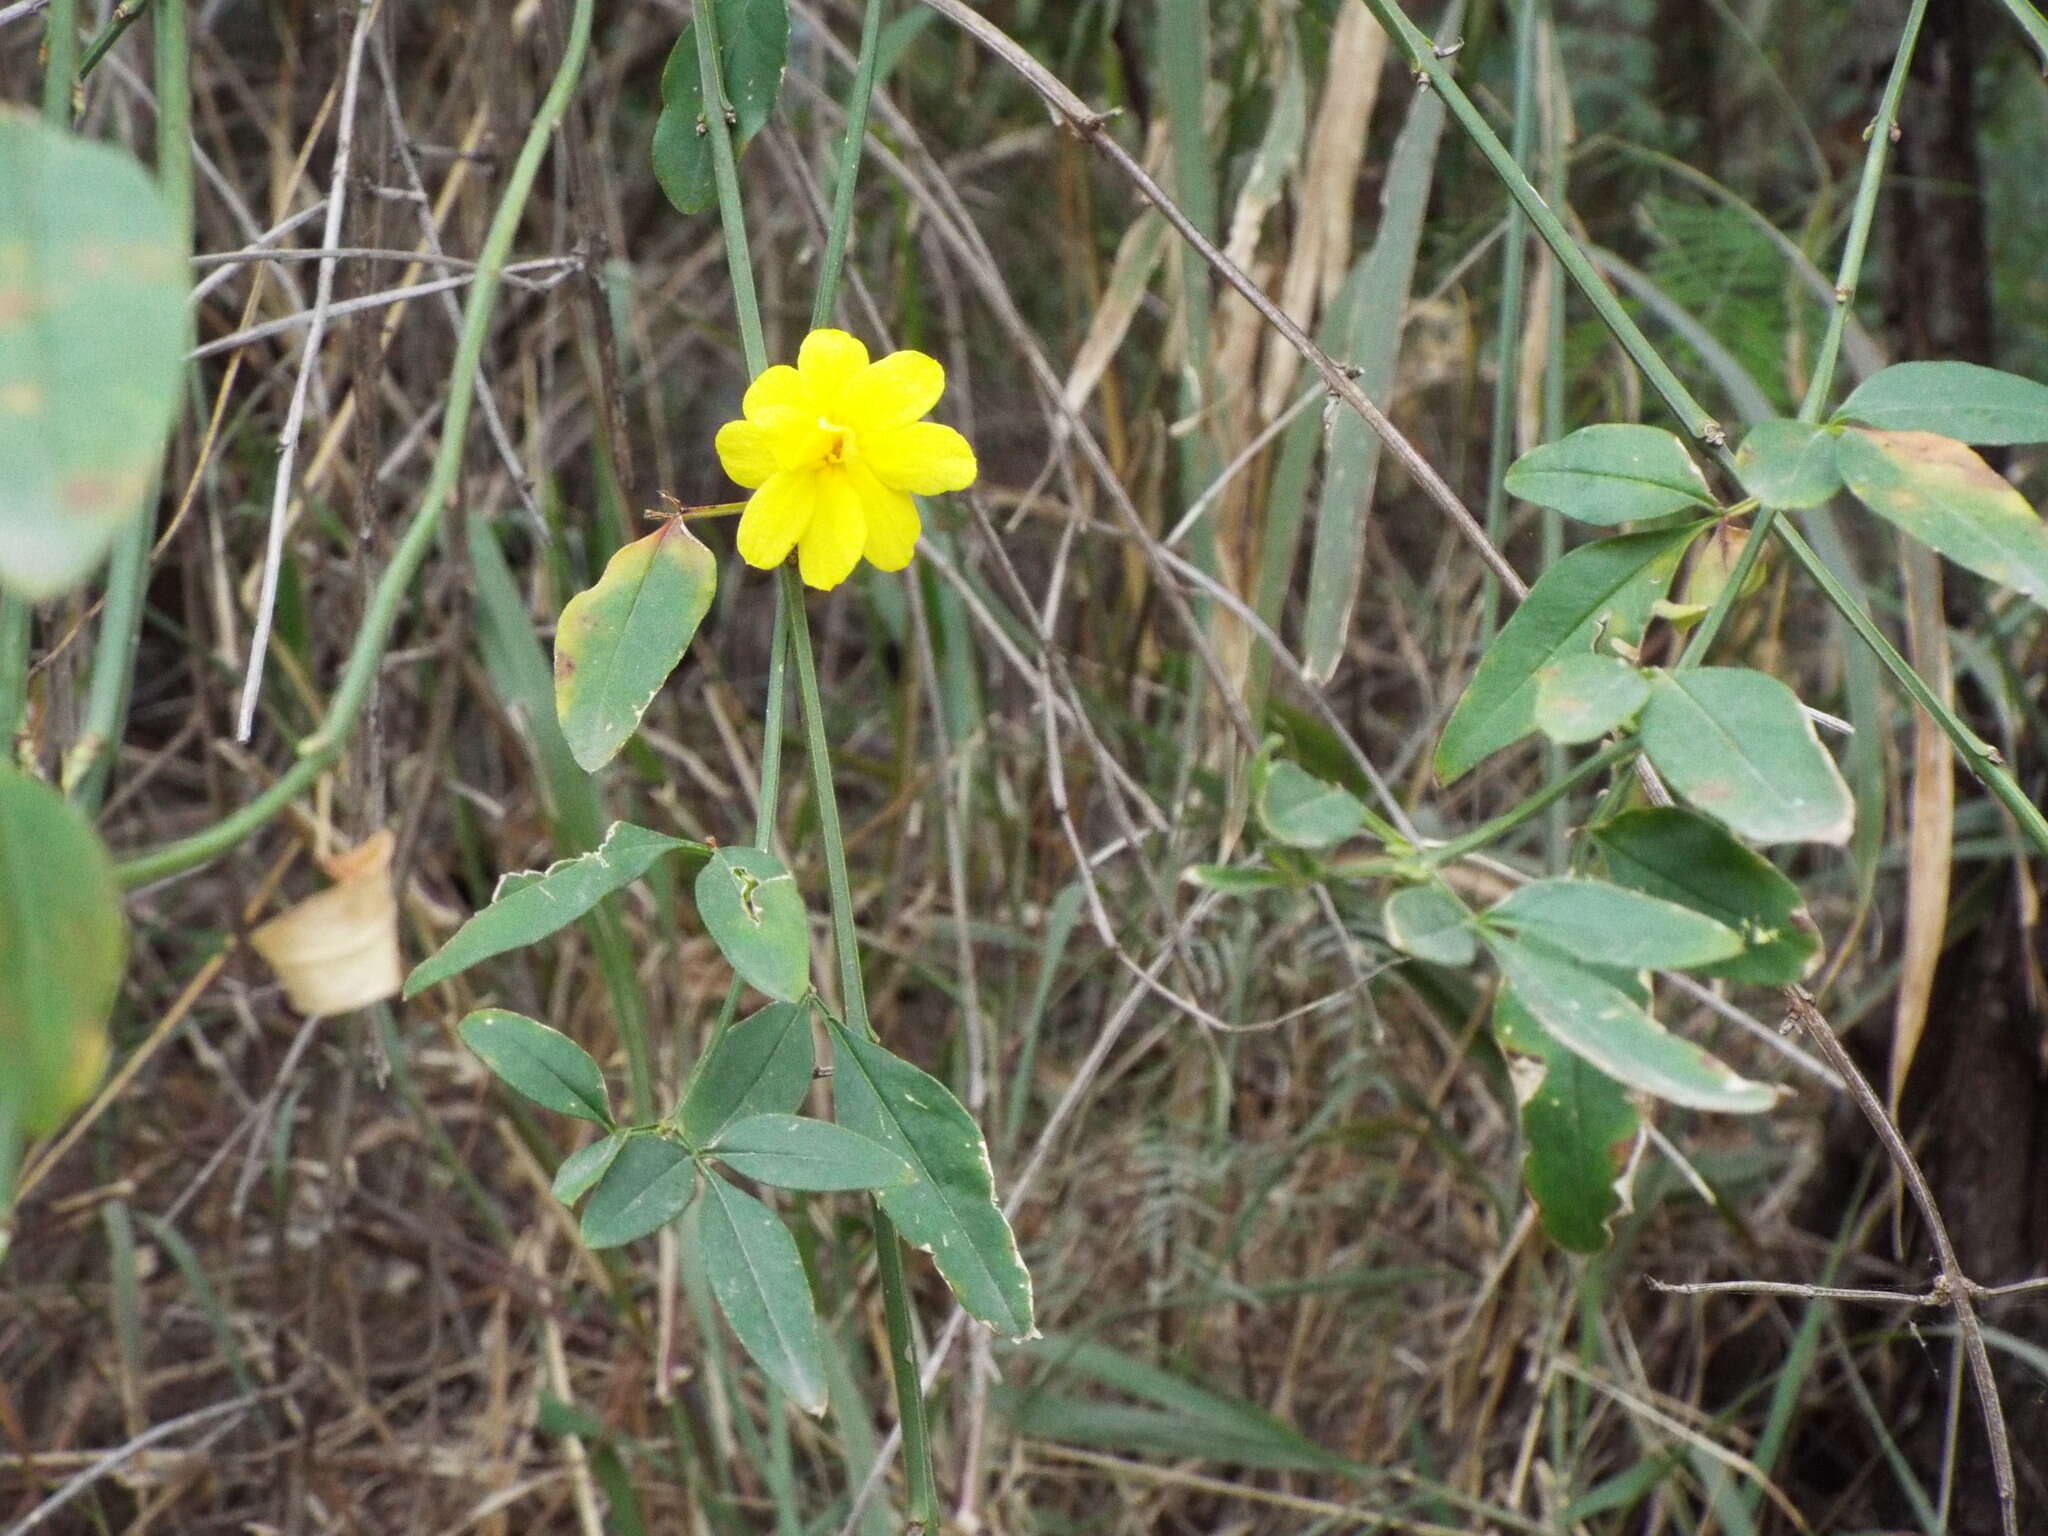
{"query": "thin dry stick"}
{"type": "Point", "coordinates": [288, 443]}
{"type": "Point", "coordinates": [1089, 124]}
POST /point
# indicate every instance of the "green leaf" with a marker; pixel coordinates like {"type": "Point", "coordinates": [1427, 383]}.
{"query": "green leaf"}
{"type": "Point", "coordinates": [794, 1152]}
{"type": "Point", "coordinates": [1582, 698]}
{"type": "Point", "coordinates": [1240, 879]}
{"type": "Point", "coordinates": [582, 1168]}
{"type": "Point", "coordinates": [1604, 924]}
{"type": "Point", "coordinates": [1961, 400]}
{"type": "Point", "coordinates": [1589, 1015]}
{"type": "Point", "coordinates": [753, 913]}
{"type": "Point", "coordinates": [1683, 857]}
{"type": "Point", "coordinates": [1737, 745]}
{"type": "Point", "coordinates": [1578, 1128]}
{"type": "Point", "coordinates": [1608, 588]}
{"type": "Point", "coordinates": [1609, 474]}
{"type": "Point", "coordinates": [1430, 923]}
{"type": "Point", "coordinates": [62, 942]}
{"type": "Point", "coordinates": [529, 906]}
{"type": "Point", "coordinates": [616, 644]}
{"type": "Point", "coordinates": [1301, 810]}
{"type": "Point", "coordinates": [761, 1065]}
{"type": "Point", "coordinates": [92, 346]}
{"type": "Point", "coordinates": [543, 1064]}
{"type": "Point", "coordinates": [758, 1278]}
{"type": "Point", "coordinates": [649, 1184]}
{"type": "Point", "coordinates": [1788, 464]}
{"type": "Point", "coordinates": [950, 1211]}
{"type": "Point", "coordinates": [753, 47]}
{"type": "Point", "coordinates": [1939, 492]}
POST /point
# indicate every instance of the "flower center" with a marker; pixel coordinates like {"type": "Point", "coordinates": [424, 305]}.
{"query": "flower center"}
{"type": "Point", "coordinates": [838, 441]}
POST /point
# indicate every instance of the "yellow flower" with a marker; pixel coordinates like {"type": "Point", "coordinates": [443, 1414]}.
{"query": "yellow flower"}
{"type": "Point", "coordinates": [833, 450]}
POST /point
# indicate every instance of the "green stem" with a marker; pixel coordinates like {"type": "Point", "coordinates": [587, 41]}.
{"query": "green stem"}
{"type": "Point", "coordinates": [60, 41]}
{"type": "Point", "coordinates": [864, 69]}
{"type": "Point", "coordinates": [1508, 344]}
{"type": "Point", "coordinates": [725, 175]}
{"type": "Point", "coordinates": [1555, 790]}
{"type": "Point", "coordinates": [125, 16]}
{"type": "Point", "coordinates": [318, 751]}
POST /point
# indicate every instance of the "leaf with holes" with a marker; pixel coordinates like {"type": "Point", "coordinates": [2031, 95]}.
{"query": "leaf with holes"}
{"type": "Point", "coordinates": [1788, 464]}
{"type": "Point", "coordinates": [1965, 401]}
{"type": "Point", "coordinates": [1609, 474]}
{"type": "Point", "coordinates": [758, 1277]}
{"type": "Point", "coordinates": [794, 1152]}
{"type": "Point", "coordinates": [1610, 925]}
{"type": "Point", "coordinates": [617, 642]}
{"type": "Point", "coordinates": [92, 346]}
{"type": "Point", "coordinates": [1595, 1019]}
{"type": "Point", "coordinates": [1582, 698]}
{"type": "Point", "coordinates": [1941, 493]}
{"type": "Point", "coordinates": [761, 1065]}
{"type": "Point", "coordinates": [1605, 589]}
{"type": "Point", "coordinates": [1681, 856]}
{"type": "Point", "coordinates": [62, 941]}
{"type": "Point", "coordinates": [530, 905]}
{"type": "Point", "coordinates": [753, 913]}
{"type": "Point", "coordinates": [1431, 924]}
{"type": "Point", "coordinates": [1736, 744]}
{"type": "Point", "coordinates": [753, 48]}
{"type": "Point", "coordinates": [543, 1064]}
{"type": "Point", "coordinates": [950, 1211]}
{"type": "Point", "coordinates": [1578, 1129]}
{"type": "Point", "coordinates": [650, 1182]}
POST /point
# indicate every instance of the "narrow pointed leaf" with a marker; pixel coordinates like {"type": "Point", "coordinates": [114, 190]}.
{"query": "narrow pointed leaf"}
{"type": "Point", "coordinates": [1606, 588]}
{"type": "Point", "coordinates": [1578, 1127]}
{"type": "Point", "coordinates": [62, 942]}
{"type": "Point", "coordinates": [1683, 857]}
{"type": "Point", "coordinates": [1938, 491]}
{"type": "Point", "coordinates": [533, 904]}
{"type": "Point", "coordinates": [1604, 924]}
{"type": "Point", "coordinates": [1736, 744]}
{"type": "Point", "coordinates": [794, 1152]}
{"type": "Point", "coordinates": [761, 1065]}
{"type": "Point", "coordinates": [92, 345]}
{"type": "Point", "coordinates": [617, 642]}
{"type": "Point", "coordinates": [649, 1184]}
{"type": "Point", "coordinates": [1590, 1016]}
{"type": "Point", "coordinates": [753, 913]}
{"type": "Point", "coordinates": [1788, 464]}
{"type": "Point", "coordinates": [1431, 924]}
{"type": "Point", "coordinates": [950, 1211]}
{"type": "Point", "coordinates": [758, 1278]}
{"type": "Point", "coordinates": [542, 1063]}
{"type": "Point", "coordinates": [1610, 474]}
{"type": "Point", "coordinates": [581, 1169]}
{"type": "Point", "coordinates": [1965, 401]}
{"type": "Point", "coordinates": [1582, 698]}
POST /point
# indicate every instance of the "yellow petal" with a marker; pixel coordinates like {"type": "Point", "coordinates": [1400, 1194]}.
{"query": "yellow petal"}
{"type": "Point", "coordinates": [832, 544]}
{"type": "Point", "coordinates": [923, 458]}
{"type": "Point", "coordinates": [894, 392]}
{"type": "Point", "coordinates": [746, 451]}
{"type": "Point", "coordinates": [892, 522]}
{"type": "Point", "coordinates": [827, 361]}
{"type": "Point", "coordinates": [777, 515]}
{"type": "Point", "coordinates": [778, 389]}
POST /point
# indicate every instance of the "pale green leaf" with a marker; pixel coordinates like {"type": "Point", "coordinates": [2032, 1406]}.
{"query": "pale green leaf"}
{"type": "Point", "coordinates": [1609, 474]}
{"type": "Point", "coordinates": [1937, 491]}
{"type": "Point", "coordinates": [1589, 1015]}
{"type": "Point", "coordinates": [1299, 809]}
{"type": "Point", "coordinates": [530, 905]}
{"type": "Point", "coordinates": [542, 1063]}
{"type": "Point", "coordinates": [581, 1169]}
{"type": "Point", "coordinates": [92, 346]}
{"type": "Point", "coordinates": [1965, 401]}
{"type": "Point", "coordinates": [1736, 744]}
{"type": "Point", "coordinates": [1430, 923]}
{"type": "Point", "coordinates": [1788, 464]}
{"type": "Point", "coordinates": [1584, 697]}
{"type": "Point", "coordinates": [1610, 925]}
{"type": "Point", "coordinates": [616, 643]}
{"type": "Point", "coordinates": [753, 913]}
